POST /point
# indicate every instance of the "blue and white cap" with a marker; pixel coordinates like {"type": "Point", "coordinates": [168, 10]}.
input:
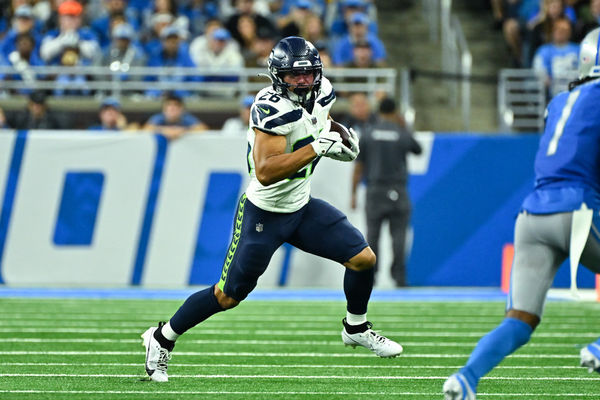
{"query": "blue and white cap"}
{"type": "Point", "coordinates": [589, 55]}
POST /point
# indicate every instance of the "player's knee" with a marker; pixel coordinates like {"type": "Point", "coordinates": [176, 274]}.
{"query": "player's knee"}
{"type": "Point", "coordinates": [527, 317]}
{"type": "Point", "coordinates": [363, 261]}
{"type": "Point", "coordinates": [225, 301]}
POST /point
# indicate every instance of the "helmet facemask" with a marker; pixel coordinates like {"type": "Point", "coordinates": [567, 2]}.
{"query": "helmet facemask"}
{"type": "Point", "coordinates": [301, 94]}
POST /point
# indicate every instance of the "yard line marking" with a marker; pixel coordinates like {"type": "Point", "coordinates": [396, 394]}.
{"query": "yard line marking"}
{"type": "Point", "coordinates": [229, 325]}
{"type": "Point", "coordinates": [126, 316]}
{"type": "Point", "coordinates": [340, 377]}
{"type": "Point", "coordinates": [275, 393]}
{"type": "Point", "coordinates": [258, 354]}
{"type": "Point", "coordinates": [262, 332]}
{"type": "Point", "coordinates": [263, 342]}
{"type": "Point", "coordinates": [338, 366]}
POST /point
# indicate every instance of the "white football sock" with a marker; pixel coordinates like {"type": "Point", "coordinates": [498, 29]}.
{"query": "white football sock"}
{"type": "Point", "coordinates": [169, 333]}
{"type": "Point", "coordinates": [355, 319]}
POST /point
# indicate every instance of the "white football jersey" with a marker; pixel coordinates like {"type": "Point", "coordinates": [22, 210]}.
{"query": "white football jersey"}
{"type": "Point", "coordinates": [278, 115]}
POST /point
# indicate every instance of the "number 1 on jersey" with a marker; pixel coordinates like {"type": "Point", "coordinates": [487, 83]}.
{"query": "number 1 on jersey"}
{"type": "Point", "coordinates": [562, 121]}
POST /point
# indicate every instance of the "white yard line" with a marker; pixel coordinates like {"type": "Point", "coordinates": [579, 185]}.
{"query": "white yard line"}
{"type": "Point", "coordinates": [260, 354]}
{"type": "Point", "coordinates": [334, 366]}
{"type": "Point", "coordinates": [233, 325]}
{"type": "Point", "coordinates": [263, 332]}
{"type": "Point", "coordinates": [262, 342]}
{"type": "Point", "coordinates": [277, 393]}
{"type": "Point", "coordinates": [293, 377]}
{"type": "Point", "coordinates": [127, 316]}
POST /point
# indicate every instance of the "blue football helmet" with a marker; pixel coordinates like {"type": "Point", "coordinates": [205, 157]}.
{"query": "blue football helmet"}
{"type": "Point", "coordinates": [295, 55]}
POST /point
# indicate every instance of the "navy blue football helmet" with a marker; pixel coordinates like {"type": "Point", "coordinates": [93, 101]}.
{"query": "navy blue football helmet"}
{"type": "Point", "coordinates": [295, 55]}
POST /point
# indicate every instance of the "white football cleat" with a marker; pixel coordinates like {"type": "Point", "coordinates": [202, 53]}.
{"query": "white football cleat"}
{"type": "Point", "coordinates": [373, 341]}
{"type": "Point", "coordinates": [457, 388]}
{"type": "Point", "coordinates": [157, 357]}
{"type": "Point", "coordinates": [590, 357]}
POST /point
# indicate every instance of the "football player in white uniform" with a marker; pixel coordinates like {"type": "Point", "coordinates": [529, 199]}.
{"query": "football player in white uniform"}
{"type": "Point", "coordinates": [289, 132]}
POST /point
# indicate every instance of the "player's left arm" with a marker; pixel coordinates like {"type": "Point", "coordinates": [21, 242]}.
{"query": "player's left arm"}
{"type": "Point", "coordinates": [271, 161]}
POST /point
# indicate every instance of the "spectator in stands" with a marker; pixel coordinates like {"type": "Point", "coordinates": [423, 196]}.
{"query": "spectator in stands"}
{"type": "Point", "coordinates": [238, 126]}
{"type": "Point", "coordinates": [323, 47]}
{"type": "Point", "coordinates": [70, 34]}
{"type": "Point", "coordinates": [216, 50]}
{"type": "Point", "coordinates": [588, 21]}
{"type": "Point", "coordinates": [513, 15]}
{"type": "Point", "coordinates": [247, 30]}
{"type": "Point", "coordinates": [36, 115]}
{"type": "Point", "coordinates": [3, 121]}
{"type": "Point", "coordinates": [167, 7]}
{"type": "Point", "coordinates": [174, 121]}
{"type": "Point", "coordinates": [172, 53]}
{"type": "Point", "coordinates": [557, 62]}
{"type": "Point", "coordinates": [103, 27]}
{"type": "Point", "coordinates": [293, 22]}
{"type": "Point", "coordinates": [540, 31]}
{"type": "Point", "coordinates": [22, 59]}
{"type": "Point", "coordinates": [360, 116]}
{"type": "Point", "coordinates": [281, 8]}
{"type": "Point", "coordinates": [227, 8]}
{"type": "Point", "coordinates": [242, 30]}
{"type": "Point", "coordinates": [72, 83]}
{"type": "Point", "coordinates": [340, 26]}
{"type": "Point", "coordinates": [362, 56]}
{"type": "Point", "coordinates": [111, 117]}
{"type": "Point", "coordinates": [152, 38]}
{"type": "Point", "coordinates": [344, 49]}
{"type": "Point", "coordinates": [123, 51]}
{"type": "Point", "coordinates": [261, 49]}
{"type": "Point", "coordinates": [314, 31]}
{"type": "Point", "coordinates": [200, 13]}
{"type": "Point", "coordinates": [23, 23]}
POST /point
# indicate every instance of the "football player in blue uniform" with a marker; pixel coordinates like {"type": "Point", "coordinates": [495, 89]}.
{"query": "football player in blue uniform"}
{"type": "Point", "coordinates": [560, 218]}
{"type": "Point", "coordinates": [289, 132]}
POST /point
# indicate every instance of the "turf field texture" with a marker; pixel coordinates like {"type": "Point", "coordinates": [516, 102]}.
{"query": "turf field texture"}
{"type": "Point", "coordinates": [91, 349]}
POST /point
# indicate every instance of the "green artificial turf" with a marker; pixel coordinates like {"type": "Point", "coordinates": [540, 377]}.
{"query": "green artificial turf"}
{"type": "Point", "coordinates": [91, 349]}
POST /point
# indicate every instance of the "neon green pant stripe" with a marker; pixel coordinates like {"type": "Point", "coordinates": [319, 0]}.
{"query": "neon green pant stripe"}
{"type": "Point", "coordinates": [237, 232]}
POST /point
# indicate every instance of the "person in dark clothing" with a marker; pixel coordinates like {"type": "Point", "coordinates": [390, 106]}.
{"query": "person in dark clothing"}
{"type": "Point", "coordinates": [36, 116]}
{"type": "Point", "coordinates": [382, 164]}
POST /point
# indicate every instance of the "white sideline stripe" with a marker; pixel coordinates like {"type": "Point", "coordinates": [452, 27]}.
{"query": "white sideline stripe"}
{"type": "Point", "coordinates": [163, 392]}
{"type": "Point", "coordinates": [292, 377]}
{"type": "Point", "coordinates": [141, 324]}
{"type": "Point", "coordinates": [339, 366]}
{"type": "Point", "coordinates": [255, 354]}
{"type": "Point", "coordinates": [425, 333]}
{"type": "Point", "coordinates": [260, 342]}
{"type": "Point", "coordinates": [152, 318]}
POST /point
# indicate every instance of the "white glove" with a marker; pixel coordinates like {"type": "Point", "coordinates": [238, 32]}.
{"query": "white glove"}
{"type": "Point", "coordinates": [69, 39]}
{"type": "Point", "coordinates": [328, 142]}
{"type": "Point", "coordinates": [347, 154]}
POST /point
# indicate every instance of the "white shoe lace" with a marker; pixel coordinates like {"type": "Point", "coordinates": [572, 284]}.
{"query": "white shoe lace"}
{"type": "Point", "coordinates": [374, 338]}
{"type": "Point", "coordinates": [164, 357]}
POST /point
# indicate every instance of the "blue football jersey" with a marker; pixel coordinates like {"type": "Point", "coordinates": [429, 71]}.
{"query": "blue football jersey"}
{"type": "Point", "coordinates": [567, 164]}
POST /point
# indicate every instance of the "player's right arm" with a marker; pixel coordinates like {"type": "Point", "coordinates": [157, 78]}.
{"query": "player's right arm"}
{"type": "Point", "coordinates": [272, 164]}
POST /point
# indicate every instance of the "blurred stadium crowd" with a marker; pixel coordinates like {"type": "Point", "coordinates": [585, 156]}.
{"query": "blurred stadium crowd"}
{"type": "Point", "coordinates": [120, 34]}
{"type": "Point", "coordinates": [545, 35]}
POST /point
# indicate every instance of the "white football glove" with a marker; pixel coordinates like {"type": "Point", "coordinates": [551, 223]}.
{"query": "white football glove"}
{"type": "Point", "coordinates": [328, 142]}
{"type": "Point", "coordinates": [347, 154]}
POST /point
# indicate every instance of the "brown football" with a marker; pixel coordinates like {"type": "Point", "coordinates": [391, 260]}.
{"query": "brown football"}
{"type": "Point", "coordinates": [343, 131]}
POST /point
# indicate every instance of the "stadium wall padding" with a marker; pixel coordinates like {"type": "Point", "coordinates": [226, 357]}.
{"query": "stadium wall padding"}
{"type": "Point", "coordinates": [90, 209]}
